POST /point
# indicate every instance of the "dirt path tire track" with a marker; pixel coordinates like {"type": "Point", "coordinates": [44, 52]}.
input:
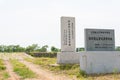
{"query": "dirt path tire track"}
{"type": "Point", "coordinates": [43, 75]}
{"type": "Point", "coordinates": [9, 69]}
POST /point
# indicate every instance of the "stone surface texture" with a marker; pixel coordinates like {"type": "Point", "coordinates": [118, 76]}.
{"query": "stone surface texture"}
{"type": "Point", "coordinates": [67, 34]}
{"type": "Point", "coordinates": [68, 58]}
{"type": "Point", "coordinates": [100, 61]}
{"type": "Point", "coordinates": [99, 40]}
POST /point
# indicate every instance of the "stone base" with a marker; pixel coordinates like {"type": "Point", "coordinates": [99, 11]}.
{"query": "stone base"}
{"type": "Point", "coordinates": [68, 58]}
{"type": "Point", "coordinates": [100, 61]}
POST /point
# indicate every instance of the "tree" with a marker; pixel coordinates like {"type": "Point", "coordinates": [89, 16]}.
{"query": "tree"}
{"type": "Point", "coordinates": [44, 48]}
{"type": "Point", "coordinates": [54, 49]}
{"type": "Point", "coordinates": [118, 48]}
{"type": "Point", "coordinates": [18, 48]}
{"type": "Point", "coordinates": [32, 48]}
{"type": "Point", "coordinates": [80, 49]}
{"type": "Point", "coordinates": [1, 48]}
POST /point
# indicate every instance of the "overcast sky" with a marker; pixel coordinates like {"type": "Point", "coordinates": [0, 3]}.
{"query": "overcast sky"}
{"type": "Point", "coordinates": [25, 22]}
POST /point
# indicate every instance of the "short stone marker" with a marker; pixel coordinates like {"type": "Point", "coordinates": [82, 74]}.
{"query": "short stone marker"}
{"type": "Point", "coordinates": [100, 55]}
{"type": "Point", "coordinates": [99, 40]}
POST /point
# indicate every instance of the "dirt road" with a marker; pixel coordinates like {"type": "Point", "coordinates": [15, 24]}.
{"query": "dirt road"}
{"type": "Point", "coordinates": [41, 73]}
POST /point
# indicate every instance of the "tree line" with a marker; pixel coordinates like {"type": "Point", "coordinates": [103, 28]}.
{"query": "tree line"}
{"type": "Point", "coordinates": [36, 48]}
{"type": "Point", "coordinates": [30, 48]}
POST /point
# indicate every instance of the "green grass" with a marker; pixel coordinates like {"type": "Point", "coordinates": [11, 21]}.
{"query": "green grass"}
{"type": "Point", "coordinates": [22, 70]}
{"type": "Point", "coordinates": [6, 75]}
{"type": "Point", "coordinates": [3, 74]}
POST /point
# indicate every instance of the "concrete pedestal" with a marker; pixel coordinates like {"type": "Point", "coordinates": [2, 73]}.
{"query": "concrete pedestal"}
{"type": "Point", "coordinates": [100, 61]}
{"type": "Point", "coordinates": [68, 58]}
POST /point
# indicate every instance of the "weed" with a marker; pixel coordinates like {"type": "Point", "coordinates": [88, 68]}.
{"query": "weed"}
{"type": "Point", "coordinates": [81, 74]}
{"type": "Point", "coordinates": [6, 75]}
{"type": "Point", "coordinates": [22, 70]}
{"type": "Point", "coordinates": [2, 67]}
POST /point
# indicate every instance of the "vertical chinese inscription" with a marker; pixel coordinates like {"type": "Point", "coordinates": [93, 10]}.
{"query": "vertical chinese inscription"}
{"type": "Point", "coordinates": [67, 34]}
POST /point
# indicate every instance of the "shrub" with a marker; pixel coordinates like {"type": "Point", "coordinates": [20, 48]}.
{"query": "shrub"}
{"type": "Point", "coordinates": [82, 74]}
{"type": "Point", "coordinates": [2, 67]}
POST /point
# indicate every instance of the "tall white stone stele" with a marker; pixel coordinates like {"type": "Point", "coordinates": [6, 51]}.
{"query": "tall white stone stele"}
{"type": "Point", "coordinates": [67, 34]}
{"type": "Point", "coordinates": [67, 54]}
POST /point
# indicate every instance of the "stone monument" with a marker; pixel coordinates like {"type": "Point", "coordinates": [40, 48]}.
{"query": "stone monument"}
{"type": "Point", "coordinates": [67, 54]}
{"type": "Point", "coordinates": [67, 34]}
{"type": "Point", "coordinates": [100, 55]}
{"type": "Point", "coordinates": [99, 40]}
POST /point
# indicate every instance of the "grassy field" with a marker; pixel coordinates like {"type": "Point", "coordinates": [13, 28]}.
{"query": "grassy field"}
{"type": "Point", "coordinates": [71, 70]}
{"type": "Point", "coordinates": [3, 74]}
{"type": "Point", "coordinates": [22, 70]}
